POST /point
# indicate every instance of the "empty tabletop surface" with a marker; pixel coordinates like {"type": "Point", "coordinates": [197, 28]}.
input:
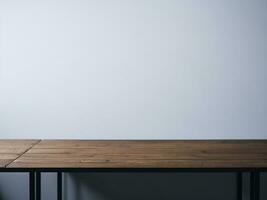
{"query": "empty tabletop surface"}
{"type": "Point", "coordinates": [12, 149]}
{"type": "Point", "coordinates": [144, 154]}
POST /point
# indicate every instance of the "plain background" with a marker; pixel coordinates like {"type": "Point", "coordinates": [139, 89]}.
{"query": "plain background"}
{"type": "Point", "coordinates": [127, 69]}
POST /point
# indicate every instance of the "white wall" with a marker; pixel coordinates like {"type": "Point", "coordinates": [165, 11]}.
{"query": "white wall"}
{"type": "Point", "coordinates": [132, 69]}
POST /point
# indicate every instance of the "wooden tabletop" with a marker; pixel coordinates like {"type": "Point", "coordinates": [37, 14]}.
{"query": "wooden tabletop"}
{"type": "Point", "coordinates": [137, 154]}
{"type": "Point", "coordinates": [10, 150]}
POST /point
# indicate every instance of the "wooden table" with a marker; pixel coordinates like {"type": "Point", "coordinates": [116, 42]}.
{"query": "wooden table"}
{"type": "Point", "coordinates": [227, 156]}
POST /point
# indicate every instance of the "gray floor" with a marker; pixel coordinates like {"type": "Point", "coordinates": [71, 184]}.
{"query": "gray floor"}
{"type": "Point", "coordinates": [130, 186]}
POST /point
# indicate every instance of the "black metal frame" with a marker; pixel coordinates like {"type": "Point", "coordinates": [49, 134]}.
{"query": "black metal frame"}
{"type": "Point", "coordinates": [35, 177]}
{"type": "Point", "coordinates": [239, 186]}
{"type": "Point", "coordinates": [59, 185]}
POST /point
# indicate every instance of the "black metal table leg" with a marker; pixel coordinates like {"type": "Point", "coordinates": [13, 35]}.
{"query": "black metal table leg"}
{"type": "Point", "coordinates": [32, 185]}
{"type": "Point", "coordinates": [239, 186]}
{"type": "Point", "coordinates": [254, 185]}
{"type": "Point", "coordinates": [35, 185]}
{"type": "Point", "coordinates": [59, 185]}
{"type": "Point", "coordinates": [38, 185]}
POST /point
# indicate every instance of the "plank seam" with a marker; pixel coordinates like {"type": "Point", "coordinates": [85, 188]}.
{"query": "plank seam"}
{"type": "Point", "coordinates": [6, 166]}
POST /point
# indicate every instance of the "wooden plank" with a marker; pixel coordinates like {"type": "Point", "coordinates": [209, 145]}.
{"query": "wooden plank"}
{"type": "Point", "coordinates": [145, 154]}
{"type": "Point", "coordinates": [12, 149]}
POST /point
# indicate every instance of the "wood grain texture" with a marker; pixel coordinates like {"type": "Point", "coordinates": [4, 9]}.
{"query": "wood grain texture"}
{"type": "Point", "coordinates": [12, 149]}
{"type": "Point", "coordinates": [145, 154]}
